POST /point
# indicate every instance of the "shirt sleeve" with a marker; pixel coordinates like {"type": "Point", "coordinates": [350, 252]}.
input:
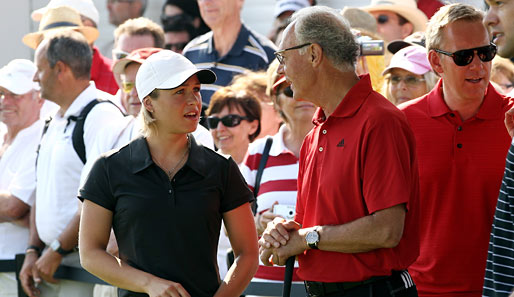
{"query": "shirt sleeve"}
{"type": "Point", "coordinates": [96, 187]}
{"type": "Point", "coordinates": [23, 184]}
{"type": "Point", "coordinates": [389, 156]}
{"type": "Point", "coordinates": [236, 191]}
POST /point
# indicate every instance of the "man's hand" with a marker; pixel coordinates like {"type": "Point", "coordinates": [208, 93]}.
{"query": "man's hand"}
{"type": "Point", "coordinates": [47, 264]}
{"type": "Point", "coordinates": [277, 232]}
{"type": "Point", "coordinates": [509, 121]}
{"type": "Point", "coordinates": [164, 288]}
{"type": "Point", "coordinates": [279, 241]}
{"type": "Point", "coordinates": [28, 275]}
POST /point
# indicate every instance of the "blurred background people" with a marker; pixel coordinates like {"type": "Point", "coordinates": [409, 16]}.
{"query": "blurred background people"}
{"type": "Point", "coordinates": [123, 10]}
{"type": "Point", "coordinates": [502, 74]}
{"type": "Point", "coordinates": [233, 117]}
{"type": "Point", "coordinates": [397, 19]}
{"type": "Point", "coordinates": [409, 75]}
{"type": "Point", "coordinates": [185, 8]}
{"type": "Point", "coordinates": [283, 10]}
{"type": "Point", "coordinates": [278, 184]}
{"type": "Point", "coordinates": [256, 83]}
{"type": "Point", "coordinates": [178, 31]}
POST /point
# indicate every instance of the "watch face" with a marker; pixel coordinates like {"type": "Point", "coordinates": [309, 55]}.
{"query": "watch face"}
{"type": "Point", "coordinates": [55, 245]}
{"type": "Point", "coordinates": [312, 237]}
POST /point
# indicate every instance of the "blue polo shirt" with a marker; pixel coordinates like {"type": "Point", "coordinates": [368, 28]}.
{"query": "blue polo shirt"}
{"type": "Point", "coordinates": [251, 51]}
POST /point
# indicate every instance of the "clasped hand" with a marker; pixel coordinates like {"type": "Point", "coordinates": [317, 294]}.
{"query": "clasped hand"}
{"type": "Point", "coordinates": [281, 240]}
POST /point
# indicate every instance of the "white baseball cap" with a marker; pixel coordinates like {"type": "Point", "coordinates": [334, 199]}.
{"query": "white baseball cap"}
{"type": "Point", "coordinates": [85, 7]}
{"type": "Point", "coordinates": [168, 70]}
{"type": "Point", "coordinates": [17, 76]}
{"type": "Point", "coordinates": [289, 5]}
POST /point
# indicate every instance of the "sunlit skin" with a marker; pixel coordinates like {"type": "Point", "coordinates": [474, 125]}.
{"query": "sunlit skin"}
{"type": "Point", "coordinates": [120, 11]}
{"type": "Point", "coordinates": [462, 85]}
{"type": "Point", "coordinates": [19, 111]}
{"type": "Point", "coordinates": [391, 30]}
{"type": "Point", "coordinates": [500, 21]}
{"type": "Point", "coordinates": [402, 91]}
{"type": "Point", "coordinates": [130, 101]}
{"type": "Point", "coordinates": [177, 111]}
{"type": "Point", "coordinates": [233, 141]}
{"type": "Point", "coordinates": [217, 12]}
{"type": "Point", "coordinates": [45, 76]}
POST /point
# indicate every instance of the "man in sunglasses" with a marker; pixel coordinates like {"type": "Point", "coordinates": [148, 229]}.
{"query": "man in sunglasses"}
{"type": "Point", "coordinates": [461, 145]}
{"type": "Point", "coordinates": [499, 273]}
{"type": "Point", "coordinates": [356, 229]}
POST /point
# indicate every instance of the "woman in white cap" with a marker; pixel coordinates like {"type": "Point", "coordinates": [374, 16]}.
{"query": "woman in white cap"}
{"type": "Point", "coordinates": [409, 75]}
{"type": "Point", "coordinates": [165, 197]}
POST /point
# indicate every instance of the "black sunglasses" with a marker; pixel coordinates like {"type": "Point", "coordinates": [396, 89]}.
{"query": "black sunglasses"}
{"type": "Point", "coordinates": [464, 57]}
{"type": "Point", "coordinates": [287, 91]}
{"type": "Point", "coordinates": [382, 19]}
{"type": "Point", "coordinates": [230, 120]}
{"type": "Point", "coordinates": [175, 46]}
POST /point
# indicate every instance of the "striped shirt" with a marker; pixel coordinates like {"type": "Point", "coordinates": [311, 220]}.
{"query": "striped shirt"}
{"type": "Point", "coordinates": [251, 51]}
{"type": "Point", "coordinates": [499, 272]}
{"type": "Point", "coordinates": [278, 183]}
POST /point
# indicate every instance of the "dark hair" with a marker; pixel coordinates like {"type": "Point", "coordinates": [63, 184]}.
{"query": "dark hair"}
{"type": "Point", "coordinates": [71, 48]}
{"type": "Point", "coordinates": [179, 23]}
{"type": "Point", "coordinates": [401, 20]}
{"type": "Point", "coordinates": [239, 100]}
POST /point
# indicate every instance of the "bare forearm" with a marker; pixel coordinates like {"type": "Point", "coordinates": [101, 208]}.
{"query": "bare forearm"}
{"type": "Point", "coordinates": [239, 275]}
{"type": "Point", "coordinates": [114, 271]}
{"type": "Point", "coordinates": [33, 234]}
{"type": "Point", "coordinates": [364, 234]}
{"type": "Point", "coordinates": [12, 208]}
{"type": "Point", "coordinates": [70, 236]}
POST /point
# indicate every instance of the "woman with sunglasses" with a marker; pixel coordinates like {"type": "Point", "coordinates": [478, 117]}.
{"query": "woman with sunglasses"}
{"type": "Point", "coordinates": [409, 75]}
{"type": "Point", "coordinates": [234, 118]}
{"type": "Point", "coordinates": [277, 190]}
{"type": "Point", "coordinates": [165, 197]}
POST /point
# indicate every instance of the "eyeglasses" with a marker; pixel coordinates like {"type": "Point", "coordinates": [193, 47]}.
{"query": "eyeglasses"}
{"type": "Point", "coordinates": [287, 91]}
{"type": "Point", "coordinates": [175, 46]}
{"type": "Point", "coordinates": [382, 19]}
{"type": "Point", "coordinates": [409, 80]}
{"type": "Point", "coordinates": [118, 54]}
{"type": "Point", "coordinates": [120, 1]}
{"type": "Point", "coordinates": [279, 54]}
{"type": "Point", "coordinates": [127, 86]}
{"type": "Point", "coordinates": [4, 95]}
{"type": "Point", "coordinates": [464, 57]}
{"type": "Point", "coordinates": [230, 120]}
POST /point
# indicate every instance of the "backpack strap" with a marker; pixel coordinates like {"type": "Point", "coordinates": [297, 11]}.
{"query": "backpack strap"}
{"type": "Point", "coordinates": [262, 164]}
{"type": "Point", "coordinates": [45, 128]}
{"type": "Point", "coordinates": [77, 136]}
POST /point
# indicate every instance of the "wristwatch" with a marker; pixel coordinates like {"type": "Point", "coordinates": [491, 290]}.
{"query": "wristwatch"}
{"type": "Point", "coordinates": [56, 247]}
{"type": "Point", "coordinates": [312, 238]}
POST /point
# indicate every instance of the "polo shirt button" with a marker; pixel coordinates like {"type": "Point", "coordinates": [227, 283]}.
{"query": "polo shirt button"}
{"type": "Point", "coordinates": [452, 115]}
{"type": "Point", "coordinates": [459, 145]}
{"type": "Point", "coordinates": [169, 191]}
{"type": "Point", "coordinates": [324, 131]}
{"type": "Point", "coordinates": [459, 128]}
{"type": "Point", "coordinates": [321, 149]}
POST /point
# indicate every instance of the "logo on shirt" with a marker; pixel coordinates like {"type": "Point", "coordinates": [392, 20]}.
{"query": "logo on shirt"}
{"type": "Point", "coordinates": [341, 143]}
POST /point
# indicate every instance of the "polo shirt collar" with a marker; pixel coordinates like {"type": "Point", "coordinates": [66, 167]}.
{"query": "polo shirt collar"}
{"type": "Point", "coordinates": [141, 158]}
{"type": "Point", "coordinates": [491, 106]}
{"type": "Point", "coordinates": [88, 95]}
{"type": "Point", "coordinates": [351, 102]}
{"type": "Point", "coordinates": [238, 47]}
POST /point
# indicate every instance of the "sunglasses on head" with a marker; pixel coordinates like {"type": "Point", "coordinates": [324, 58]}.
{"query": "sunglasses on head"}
{"type": "Point", "coordinates": [230, 120]}
{"type": "Point", "coordinates": [464, 57]}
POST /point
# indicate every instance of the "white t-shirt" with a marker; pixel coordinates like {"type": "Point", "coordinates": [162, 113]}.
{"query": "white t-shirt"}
{"type": "Point", "coordinates": [59, 168]}
{"type": "Point", "coordinates": [18, 177]}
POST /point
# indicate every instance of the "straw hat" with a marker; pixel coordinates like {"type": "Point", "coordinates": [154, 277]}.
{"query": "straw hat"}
{"type": "Point", "coordinates": [58, 18]}
{"type": "Point", "coordinates": [360, 20]}
{"type": "Point", "coordinates": [406, 8]}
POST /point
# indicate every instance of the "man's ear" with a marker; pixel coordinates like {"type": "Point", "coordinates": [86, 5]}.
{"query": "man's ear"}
{"type": "Point", "coordinates": [315, 54]}
{"type": "Point", "coordinates": [435, 61]}
{"type": "Point", "coordinates": [407, 29]}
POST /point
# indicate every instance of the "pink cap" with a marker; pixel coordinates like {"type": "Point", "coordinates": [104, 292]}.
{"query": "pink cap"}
{"type": "Point", "coordinates": [411, 58]}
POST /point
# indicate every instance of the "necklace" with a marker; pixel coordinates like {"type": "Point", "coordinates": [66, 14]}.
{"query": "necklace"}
{"type": "Point", "coordinates": [172, 170]}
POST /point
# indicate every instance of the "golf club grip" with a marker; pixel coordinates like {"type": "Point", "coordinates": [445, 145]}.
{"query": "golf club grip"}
{"type": "Point", "coordinates": [288, 277]}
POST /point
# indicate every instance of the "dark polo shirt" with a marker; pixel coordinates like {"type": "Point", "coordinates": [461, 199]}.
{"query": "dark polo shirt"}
{"type": "Point", "coordinates": [168, 229]}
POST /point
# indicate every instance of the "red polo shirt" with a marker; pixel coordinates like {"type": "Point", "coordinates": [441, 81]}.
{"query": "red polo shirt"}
{"type": "Point", "coordinates": [101, 73]}
{"type": "Point", "coordinates": [461, 166]}
{"type": "Point", "coordinates": [359, 160]}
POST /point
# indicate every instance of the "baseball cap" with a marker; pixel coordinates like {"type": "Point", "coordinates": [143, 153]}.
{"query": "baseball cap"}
{"type": "Point", "coordinates": [138, 55]}
{"type": "Point", "coordinates": [17, 76]}
{"type": "Point", "coordinates": [412, 58]}
{"type": "Point", "coordinates": [416, 38]}
{"type": "Point", "coordinates": [167, 70]}
{"type": "Point", "coordinates": [85, 7]}
{"type": "Point", "coordinates": [289, 5]}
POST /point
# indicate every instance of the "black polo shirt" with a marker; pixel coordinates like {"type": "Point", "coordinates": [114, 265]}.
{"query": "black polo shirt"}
{"type": "Point", "coordinates": [168, 229]}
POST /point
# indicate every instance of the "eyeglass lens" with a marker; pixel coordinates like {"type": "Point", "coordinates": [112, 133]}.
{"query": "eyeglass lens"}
{"type": "Point", "coordinates": [127, 86]}
{"type": "Point", "coordinates": [230, 120]}
{"type": "Point", "coordinates": [409, 80]}
{"type": "Point", "coordinates": [464, 57]}
{"type": "Point", "coordinates": [382, 19]}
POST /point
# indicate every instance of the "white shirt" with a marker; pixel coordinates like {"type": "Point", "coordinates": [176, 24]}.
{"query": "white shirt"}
{"type": "Point", "coordinates": [18, 177]}
{"type": "Point", "coordinates": [3, 130]}
{"type": "Point", "coordinates": [59, 167]}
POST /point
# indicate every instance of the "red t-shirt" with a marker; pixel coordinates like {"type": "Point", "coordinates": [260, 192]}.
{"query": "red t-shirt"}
{"type": "Point", "coordinates": [359, 160]}
{"type": "Point", "coordinates": [101, 73]}
{"type": "Point", "coordinates": [461, 166]}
